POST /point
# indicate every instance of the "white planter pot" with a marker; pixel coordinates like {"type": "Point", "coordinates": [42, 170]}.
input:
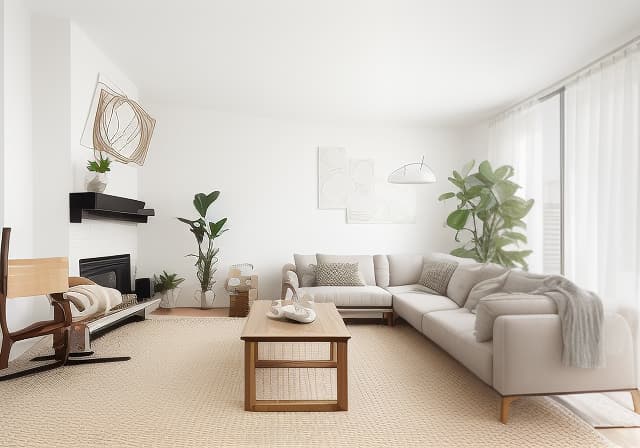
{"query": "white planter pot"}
{"type": "Point", "coordinates": [169, 298]}
{"type": "Point", "coordinates": [96, 182]}
{"type": "Point", "coordinates": [205, 299]}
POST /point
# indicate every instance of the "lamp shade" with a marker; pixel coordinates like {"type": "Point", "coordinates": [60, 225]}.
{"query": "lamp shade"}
{"type": "Point", "coordinates": [412, 173]}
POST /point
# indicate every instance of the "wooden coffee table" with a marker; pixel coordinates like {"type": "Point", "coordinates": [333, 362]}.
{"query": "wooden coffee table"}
{"type": "Point", "coordinates": [328, 327]}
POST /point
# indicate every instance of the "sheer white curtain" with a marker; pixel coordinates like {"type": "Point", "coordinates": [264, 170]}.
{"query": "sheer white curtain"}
{"type": "Point", "coordinates": [602, 182]}
{"type": "Point", "coordinates": [516, 139]}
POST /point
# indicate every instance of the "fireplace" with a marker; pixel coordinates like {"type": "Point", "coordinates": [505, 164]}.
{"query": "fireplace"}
{"type": "Point", "coordinates": [112, 271]}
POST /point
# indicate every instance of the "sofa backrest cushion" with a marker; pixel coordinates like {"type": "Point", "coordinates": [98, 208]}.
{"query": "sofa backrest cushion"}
{"type": "Point", "coordinates": [365, 264]}
{"type": "Point", "coordinates": [466, 276]}
{"type": "Point", "coordinates": [381, 266]}
{"type": "Point", "coordinates": [519, 281]}
{"type": "Point", "coordinates": [404, 269]}
{"type": "Point", "coordinates": [302, 263]}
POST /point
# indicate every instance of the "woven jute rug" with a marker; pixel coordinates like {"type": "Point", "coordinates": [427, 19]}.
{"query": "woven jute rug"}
{"type": "Point", "coordinates": [184, 388]}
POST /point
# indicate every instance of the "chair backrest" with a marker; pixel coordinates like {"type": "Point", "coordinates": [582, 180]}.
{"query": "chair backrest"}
{"type": "Point", "coordinates": [33, 276]}
{"type": "Point", "coordinates": [29, 277]}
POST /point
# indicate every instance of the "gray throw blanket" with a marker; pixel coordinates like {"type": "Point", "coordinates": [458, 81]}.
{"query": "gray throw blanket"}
{"type": "Point", "coordinates": [582, 318]}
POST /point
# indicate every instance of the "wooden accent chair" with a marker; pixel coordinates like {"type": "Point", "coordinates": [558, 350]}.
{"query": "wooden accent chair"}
{"type": "Point", "coordinates": [36, 277]}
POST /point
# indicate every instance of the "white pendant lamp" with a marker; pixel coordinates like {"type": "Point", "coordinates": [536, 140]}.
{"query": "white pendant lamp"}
{"type": "Point", "coordinates": [412, 173]}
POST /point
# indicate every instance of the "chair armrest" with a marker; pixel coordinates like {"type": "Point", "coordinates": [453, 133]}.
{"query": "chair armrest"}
{"type": "Point", "coordinates": [289, 280]}
{"type": "Point", "coordinates": [527, 357]}
{"type": "Point", "coordinates": [61, 308]}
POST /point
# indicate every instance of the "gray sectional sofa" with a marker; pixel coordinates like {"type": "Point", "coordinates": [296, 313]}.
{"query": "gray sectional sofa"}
{"type": "Point", "coordinates": [522, 355]}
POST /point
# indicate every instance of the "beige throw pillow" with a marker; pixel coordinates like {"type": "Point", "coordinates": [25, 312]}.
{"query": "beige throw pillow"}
{"type": "Point", "coordinates": [436, 275]}
{"type": "Point", "coordinates": [309, 276]}
{"type": "Point", "coordinates": [338, 274]}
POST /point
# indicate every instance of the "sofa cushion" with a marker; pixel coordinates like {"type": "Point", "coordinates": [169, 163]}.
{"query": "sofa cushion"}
{"type": "Point", "coordinates": [494, 306]}
{"type": "Point", "coordinates": [466, 276]}
{"type": "Point", "coordinates": [349, 296]}
{"type": "Point", "coordinates": [484, 289]}
{"type": "Point", "coordinates": [436, 275]}
{"type": "Point", "coordinates": [381, 266]}
{"type": "Point", "coordinates": [365, 264]}
{"type": "Point", "coordinates": [338, 274]}
{"type": "Point", "coordinates": [519, 281]}
{"type": "Point", "coordinates": [306, 273]}
{"type": "Point", "coordinates": [404, 269]}
{"type": "Point", "coordinates": [453, 331]}
{"type": "Point", "coordinates": [411, 302]}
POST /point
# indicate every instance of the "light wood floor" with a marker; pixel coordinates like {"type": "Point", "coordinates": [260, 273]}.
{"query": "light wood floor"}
{"type": "Point", "coordinates": [623, 437]}
{"type": "Point", "coordinates": [191, 312]}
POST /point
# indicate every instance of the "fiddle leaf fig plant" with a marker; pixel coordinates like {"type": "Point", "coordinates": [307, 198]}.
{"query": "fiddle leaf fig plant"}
{"type": "Point", "coordinates": [205, 233]}
{"type": "Point", "coordinates": [490, 213]}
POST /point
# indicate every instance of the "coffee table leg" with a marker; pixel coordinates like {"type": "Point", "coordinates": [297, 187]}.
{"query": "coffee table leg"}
{"type": "Point", "coordinates": [250, 355]}
{"type": "Point", "coordinates": [343, 383]}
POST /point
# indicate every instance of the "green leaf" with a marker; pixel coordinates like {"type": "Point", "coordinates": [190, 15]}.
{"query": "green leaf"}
{"type": "Point", "coordinates": [202, 202]}
{"type": "Point", "coordinates": [466, 169]}
{"type": "Point", "coordinates": [504, 172]}
{"type": "Point", "coordinates": [464, 253]}
{"type": "Point", "coordinates": [486, 171]}
{"type": "Point", "coordinates": [216, 227]}
{"type": "Point", "coordinates": [457, 219]}
{"type": "Point", "coordinates": [474, 191]}
{"type": "Point", "coordinates": [505, 189]}
{"type": "Point", "coordinates": [517, 236]}
{"type": "Point", "coordinates": [456, 182]}
{"type": "Point", "coordinates": [516, 208]}
{"type": "Point", "coordinates": [445, 196]}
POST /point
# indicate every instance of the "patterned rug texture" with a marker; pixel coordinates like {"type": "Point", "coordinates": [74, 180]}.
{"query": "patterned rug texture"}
{"type": "Point", "coordinates": [184, 388]}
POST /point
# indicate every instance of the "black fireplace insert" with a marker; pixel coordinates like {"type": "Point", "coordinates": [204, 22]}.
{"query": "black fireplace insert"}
{"type": "Point", "coordinates": [112, 272]}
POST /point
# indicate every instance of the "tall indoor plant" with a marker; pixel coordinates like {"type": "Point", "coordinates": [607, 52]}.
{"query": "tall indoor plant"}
{"type": "Point", "coordinates": [205, 232]}
{"type": "Point", "coordinates": [489, 211]}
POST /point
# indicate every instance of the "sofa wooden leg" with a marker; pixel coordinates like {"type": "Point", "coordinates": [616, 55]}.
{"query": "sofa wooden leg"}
{"type": "Point", "coordinates": [505, 404]}
{"type": "Point", "coordinates": [635, 396]}
{"type": "Point", "coordinates": [388, 317]}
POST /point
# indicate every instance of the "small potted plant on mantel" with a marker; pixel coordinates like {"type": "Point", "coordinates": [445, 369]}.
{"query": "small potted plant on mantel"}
{"type": "Point", "coordinates": [97, 176]}
{"type": "Point", "coordinates": [168, 286]}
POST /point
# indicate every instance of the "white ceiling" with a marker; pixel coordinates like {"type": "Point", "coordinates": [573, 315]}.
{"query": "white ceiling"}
{"type": "Point", "coordinates": [401, 61]}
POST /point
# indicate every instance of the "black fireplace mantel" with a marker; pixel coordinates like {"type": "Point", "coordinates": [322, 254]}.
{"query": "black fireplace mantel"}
{"type": "Point", "coordinates": [105, 206]}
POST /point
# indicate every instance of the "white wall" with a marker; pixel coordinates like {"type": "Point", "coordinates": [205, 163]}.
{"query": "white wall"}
{"type": "Point", "coordinates": [267, 173]}
{"type": "Point", "coordinates": [18, 153]}
{"type": "Point", "coordinates": [48, 76]}
{"type": "Point", "coordinates": [2, 162]}
{"type": "Point", "coordinates": [18, 175]}
{"type": "Point", "coordinates": [95, 238]}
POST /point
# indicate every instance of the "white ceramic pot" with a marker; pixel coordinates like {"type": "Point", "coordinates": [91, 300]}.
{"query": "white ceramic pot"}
{"type": "Point", "coordinates": [169, 298]}
{"type": "Point", "coordinates": [96, 182]}
{"type": "Point", "coordinates": [205, 299]}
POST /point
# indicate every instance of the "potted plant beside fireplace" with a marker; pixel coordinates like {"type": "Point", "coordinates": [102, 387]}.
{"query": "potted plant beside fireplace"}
{"type": "Point", "coordinates": [205, 231]}
{"type": "Point", "coordinates": [167, 286]}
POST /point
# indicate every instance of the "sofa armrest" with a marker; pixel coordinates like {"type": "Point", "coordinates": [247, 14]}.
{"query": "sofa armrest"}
{"type": "Point", "coordinates": [527, 357]}
{"type": "Point", "coordinates": [289, 280]}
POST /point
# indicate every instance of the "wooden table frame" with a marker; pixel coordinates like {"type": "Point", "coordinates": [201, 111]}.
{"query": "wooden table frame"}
{"type": "Point", "coordinates": [338, 354]}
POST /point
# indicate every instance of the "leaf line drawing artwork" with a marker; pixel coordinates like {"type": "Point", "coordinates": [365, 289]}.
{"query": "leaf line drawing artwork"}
{"type": "Point", "coordinates": [117, 125]}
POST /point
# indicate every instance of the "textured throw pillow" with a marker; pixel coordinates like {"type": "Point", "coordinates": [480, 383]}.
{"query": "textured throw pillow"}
{"type": "Point", "coordinates": [338, 274]}
{"type": "Point", "coordinates": [309, 276]}
{"type": "Point", "coordinates": [436, 275]}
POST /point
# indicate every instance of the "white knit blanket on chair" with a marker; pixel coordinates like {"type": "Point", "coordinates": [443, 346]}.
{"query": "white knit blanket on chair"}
{"type": "Point", "coordinates": [88, 300]}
